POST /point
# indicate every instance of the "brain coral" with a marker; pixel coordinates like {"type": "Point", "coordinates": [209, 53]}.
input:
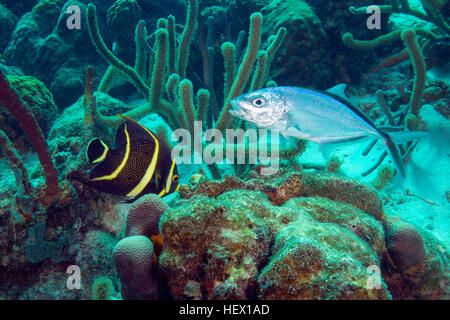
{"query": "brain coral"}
{"type": "Point", "coordinates": [143, 216]}
{"type": "Point", "coordinates": [421, 262]}
{"type": "Point", "coordinates": [404, 243]}
{"type": "Point", "coordinates": [133, 257]}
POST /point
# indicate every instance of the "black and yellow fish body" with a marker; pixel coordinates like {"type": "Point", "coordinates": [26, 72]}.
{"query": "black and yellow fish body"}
{"type": "Point", "coordinates": [137, 165]}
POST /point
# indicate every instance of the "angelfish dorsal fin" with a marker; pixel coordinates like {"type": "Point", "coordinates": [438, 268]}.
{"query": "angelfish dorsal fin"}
{"type": "Point", "coordinates": [339, 90]}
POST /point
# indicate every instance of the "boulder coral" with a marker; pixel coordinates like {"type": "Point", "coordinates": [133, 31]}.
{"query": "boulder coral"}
{"type": "Point", "coordinates": [122, 18]}
{"type": "Point", "coordinates": [313, 260]}
{"type": "Point", "coordinates": [219, 245]}
{"type": "Point", "coordinates": [222, 246]}
{"type": "Point", "coordinates": [302, 48]}
{"type": "Point", "coordinates": [285, 186]}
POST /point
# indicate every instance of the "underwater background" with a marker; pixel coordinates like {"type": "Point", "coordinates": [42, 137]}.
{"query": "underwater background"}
{"type": "Point", "coordinates": [328, 224]}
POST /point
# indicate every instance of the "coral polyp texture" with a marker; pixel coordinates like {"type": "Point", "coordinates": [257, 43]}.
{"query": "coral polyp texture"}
{"type": "Point", "coordinates": [162, 150]}
{"type": "Point", "coordinates": [143, 216]}
{"type": "Point", "coordinates": [133, 257]}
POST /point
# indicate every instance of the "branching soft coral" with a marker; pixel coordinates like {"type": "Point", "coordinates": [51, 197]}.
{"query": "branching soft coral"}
{"type": "Point", "coordinates": [168, 92]}
{"type": "Point", "coordinates": [415, 51]}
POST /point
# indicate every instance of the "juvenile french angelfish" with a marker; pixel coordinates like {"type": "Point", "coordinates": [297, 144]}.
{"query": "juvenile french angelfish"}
{"type": "Point", "coordinates": [322, 117]}
{"type": "Point", "coordinates": [137, 165]}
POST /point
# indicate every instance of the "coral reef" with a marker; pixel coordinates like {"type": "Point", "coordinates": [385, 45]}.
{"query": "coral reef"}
{"type": "Point", "coordinates": [12, 102]}
{"type": "Point", "coordinates": [306, 232]}
{"type": "Point", "coordinates": [229, 240]}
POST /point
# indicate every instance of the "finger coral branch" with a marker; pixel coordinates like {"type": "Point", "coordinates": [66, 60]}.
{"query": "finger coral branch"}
{"type": "Point", "coordinates": [109, 56]}
{"type": "Point", "coordinates": [243, 74]}
{"type": "Point", "coordinates": [257, 80]}
{"type": "Point", "coordinates": [172, 44]}
{"type": "Point", "coordinates": [187, 104]}
{"type": "Point", "coordinates": [229, 58]}
{"type": "Point", "coordinates": [418, 61]}
{"type": "Point", "coordinates": [186, 37]}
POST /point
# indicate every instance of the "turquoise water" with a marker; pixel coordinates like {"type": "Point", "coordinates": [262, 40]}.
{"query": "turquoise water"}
{"type": "Point", "coordinates": [181, 199]}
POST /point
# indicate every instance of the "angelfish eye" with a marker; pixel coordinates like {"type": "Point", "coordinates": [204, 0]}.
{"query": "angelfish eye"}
{"type": "Point", "coordinates": [259, 101]}
{"type": "Point", "coordinates": [175, 178]}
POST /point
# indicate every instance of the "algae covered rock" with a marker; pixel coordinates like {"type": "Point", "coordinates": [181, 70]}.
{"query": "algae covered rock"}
{"type": "Point", "coordinates": [219, 246]}
{"type": "Point", "coordinates": [313, 260]}
{"type": "Point", "coordinates": [366, 227]}
{"type": "Point", "coordinates": [287, 185]}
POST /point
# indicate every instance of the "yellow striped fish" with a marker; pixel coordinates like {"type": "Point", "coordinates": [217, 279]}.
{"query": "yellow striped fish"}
{"type": "Point", "coordinates": [138, 164]}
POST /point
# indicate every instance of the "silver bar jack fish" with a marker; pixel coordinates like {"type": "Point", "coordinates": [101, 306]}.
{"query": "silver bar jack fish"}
{"type": "Point", "coordinates": [321, 117]}
{"type": "Point", "coordinates": [138, 164]}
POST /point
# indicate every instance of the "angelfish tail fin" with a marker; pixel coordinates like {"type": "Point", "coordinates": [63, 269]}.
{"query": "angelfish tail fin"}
{"type": "Point", "coordinates": [394, 153]}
